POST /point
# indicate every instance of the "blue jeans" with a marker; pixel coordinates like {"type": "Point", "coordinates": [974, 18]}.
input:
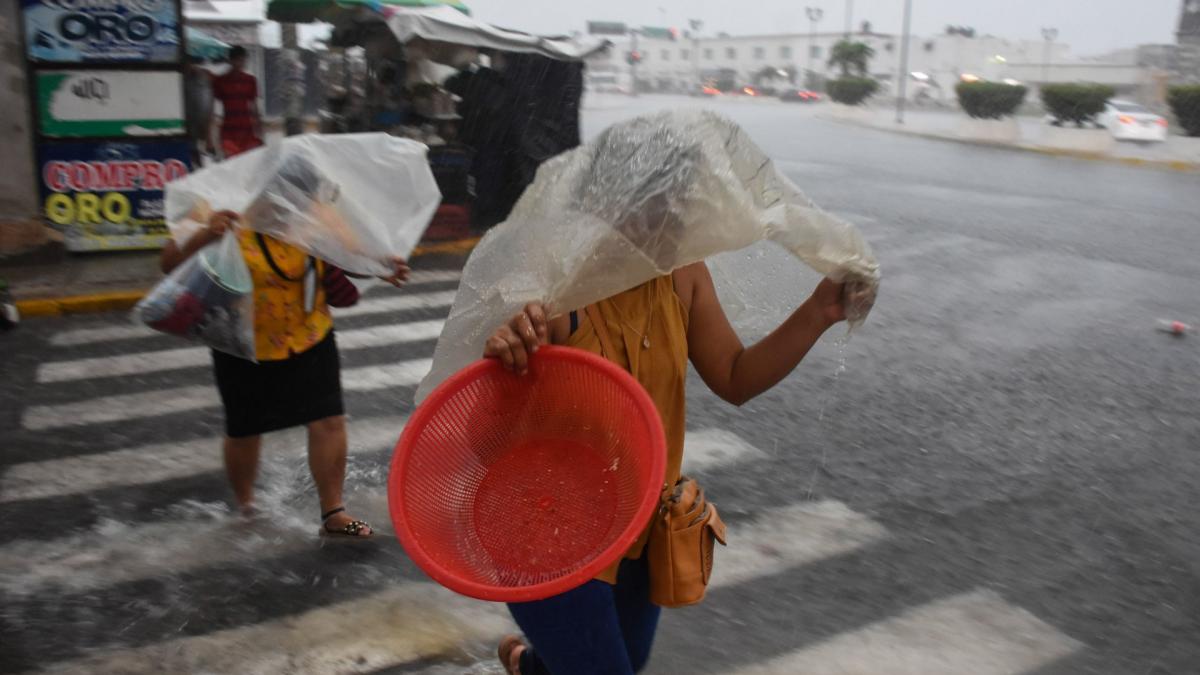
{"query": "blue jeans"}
{"type": "Point", "coordinates": [596, 628]}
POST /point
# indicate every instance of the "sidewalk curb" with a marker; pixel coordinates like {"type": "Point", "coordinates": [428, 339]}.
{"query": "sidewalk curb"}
{"type": "Point", "coordinates": [1167, 164]}
{"type": "Point", "coordinates": [113, 301]}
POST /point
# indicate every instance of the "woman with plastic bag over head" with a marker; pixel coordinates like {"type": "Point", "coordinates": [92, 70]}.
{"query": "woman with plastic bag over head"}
{"type": "Point", "coordinates": [294, 378]}
{"type": "Point", "coordinates": [633, 198]}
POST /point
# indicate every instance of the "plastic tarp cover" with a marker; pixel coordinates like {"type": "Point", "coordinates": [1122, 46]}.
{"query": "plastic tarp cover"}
{"type": "Point", "coordinates": [647, 196]}
{"type": "Point", "coordinates": [209, 298]}
{"type": "Point", "coordinates": [354, 200]}
{"type": "Point", "coordinates": [446, 24]}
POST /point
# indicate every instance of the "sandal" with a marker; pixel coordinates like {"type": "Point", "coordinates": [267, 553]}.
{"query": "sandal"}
{"type": "Point", "coordinates": [352, 529]}
{"type": "Point", "coordinates": [504, 652]}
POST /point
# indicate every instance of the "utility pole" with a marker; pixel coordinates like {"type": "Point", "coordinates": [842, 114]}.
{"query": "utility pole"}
{"type": "Point", "coordinates": [696, 26]}
{"type": "Point", "coordinates": [814, 16]}
{"type": "Point", "coordinates": [849, 18]}
{"type": "Point", "coordinates": [904, 40]}
{"type": "Point", "coordinates": [1049, 34]}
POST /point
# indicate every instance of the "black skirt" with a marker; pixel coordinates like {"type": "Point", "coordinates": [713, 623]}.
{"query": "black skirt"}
{"type": "Point", "coordinates": [273, 395]}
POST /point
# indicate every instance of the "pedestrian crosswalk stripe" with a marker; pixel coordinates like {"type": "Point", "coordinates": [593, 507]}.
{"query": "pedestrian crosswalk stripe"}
{"type": "Point", "coordinates": [130, 331]}
{"type": "Point", "coordinates": [398, 303]}
{"type": "Point", "coordinates": [401, 624]}
{"type": "Point", "coordinates": [185, 399]}
{"type": "Point", "coordinates": [199, 536]}
{"type": "Point", "coordinates": [789, 536]}
{"type": "Point", "coordinates": [710, 447]}
{"type": "Point", "coordinates": [704, 449]}
{"type": "Point", "coordinates": [191, 357]}
{"type": "Point", "coordinates": [976, 632]}
{"type": "Point", "coordinates": [166, 461]}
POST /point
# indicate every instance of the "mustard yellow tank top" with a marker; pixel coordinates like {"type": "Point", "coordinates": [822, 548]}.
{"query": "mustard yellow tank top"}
{"type": "Point", "coordinates": [647, 326]}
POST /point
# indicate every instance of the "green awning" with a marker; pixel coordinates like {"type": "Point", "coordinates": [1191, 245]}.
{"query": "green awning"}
{"type": "Point", "coordinates": [201, 45]}
{"type": "Point", "coordinates": [307, 11]}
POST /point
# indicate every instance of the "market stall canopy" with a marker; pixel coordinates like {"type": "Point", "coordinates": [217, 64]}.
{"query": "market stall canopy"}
{"type": "Point", "coordinates": [201, 45]}
{"type": "Point", "coordinates": [446, 25]}
{"type": "Point", "coordinates": [307, 11]}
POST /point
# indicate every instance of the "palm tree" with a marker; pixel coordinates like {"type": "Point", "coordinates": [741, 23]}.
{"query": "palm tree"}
{"type": "Point", "coordinates": [851, 56]}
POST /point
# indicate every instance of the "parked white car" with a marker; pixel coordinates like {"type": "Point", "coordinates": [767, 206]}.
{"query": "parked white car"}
{"type": "Point", "coordinates": [1128, 121]}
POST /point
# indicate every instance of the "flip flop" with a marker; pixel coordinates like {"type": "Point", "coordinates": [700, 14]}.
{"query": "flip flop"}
{"type": "Point", "coordinates": [504, 652]}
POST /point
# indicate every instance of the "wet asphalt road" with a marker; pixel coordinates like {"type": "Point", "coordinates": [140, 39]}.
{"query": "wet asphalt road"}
{"type": "Point", "coordinates": [1008, 415]}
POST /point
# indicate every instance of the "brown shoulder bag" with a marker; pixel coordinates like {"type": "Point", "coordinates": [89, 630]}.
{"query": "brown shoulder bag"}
{"type": "Point", "coordinates": [684, 531]}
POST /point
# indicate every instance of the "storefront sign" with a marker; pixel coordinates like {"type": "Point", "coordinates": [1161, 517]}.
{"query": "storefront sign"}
{"type": "Point", "coordinates": [83, 103]}
{"type": "Point", "coordinates": [102, 31]}
{"type": "Point", "coordinates": [109, 195]}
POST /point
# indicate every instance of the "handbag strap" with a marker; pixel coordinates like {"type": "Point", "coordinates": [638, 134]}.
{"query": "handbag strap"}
{"type": "Point", "coordinates": [262, 245]}
{"type": "Point", "coordinates": [606, 347]}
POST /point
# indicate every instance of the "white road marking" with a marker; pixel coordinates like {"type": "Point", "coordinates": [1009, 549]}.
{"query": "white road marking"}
{"type": "Point", "coordinates": [133, 330]}
{"type": "Point", "coordinates": [205, 535]}
{"type": "Point", "coordinates": [400, 624]}
{"type": "Point", "coordinates": [191, 357]}
{"type": "Point", "coordinates": [157, 462]}
{"type": "Point", "coordinates": [706, 448]}
{"type": "Point", "coordinates": [184, 399]}
{"type": "Point", "coordinates": [398, 303]}
{"type": "Point", "coordinates": [790, 536]}
{"type": "Point", "coordinates": [977, 633]}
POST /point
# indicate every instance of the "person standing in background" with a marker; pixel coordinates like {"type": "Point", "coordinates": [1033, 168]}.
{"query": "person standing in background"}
{"type": "Point", "coordinates": [198, 108]}
{"type": "Point", "coordinates": [237, 90]}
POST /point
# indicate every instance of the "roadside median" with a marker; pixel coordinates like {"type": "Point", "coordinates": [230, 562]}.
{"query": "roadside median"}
{"type": "Point", "coordinates": [1178, 153]}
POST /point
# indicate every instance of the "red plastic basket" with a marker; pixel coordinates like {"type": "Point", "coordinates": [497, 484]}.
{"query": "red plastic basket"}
{"type": "Point", "coordinates": [513, 488]}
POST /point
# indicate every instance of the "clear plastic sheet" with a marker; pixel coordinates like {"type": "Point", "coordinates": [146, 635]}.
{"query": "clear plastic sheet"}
{"type": "Point", "coordinates": [355, 200]}
{"type": "Point", "coordinates": [209, 298]}
{"type": "Point", "coordinates": [646, 197]}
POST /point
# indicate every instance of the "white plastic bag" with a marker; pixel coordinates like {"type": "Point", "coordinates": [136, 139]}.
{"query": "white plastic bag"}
{"type": "Point", "coordinates": [646, 197]}
{"type": "Point", "coordinates": [209, 298]}
{"type": "Point", "coordinates": [354, 200]}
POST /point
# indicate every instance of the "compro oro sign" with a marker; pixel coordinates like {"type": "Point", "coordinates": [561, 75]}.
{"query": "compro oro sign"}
{"type": "Point", "coordinates": [90, 103]}
{"type": "Point", "coordinates": [102, 31]}
{"type": "Point", "coordinates": [109, 195]}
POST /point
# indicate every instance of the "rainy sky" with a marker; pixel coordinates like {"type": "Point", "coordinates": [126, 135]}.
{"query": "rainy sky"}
{"type": "Point", "coordinates": [1090, 27]}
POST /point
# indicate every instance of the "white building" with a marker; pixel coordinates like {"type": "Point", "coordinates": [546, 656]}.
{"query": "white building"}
{"type": "Point", "coordinates": [681, 65]}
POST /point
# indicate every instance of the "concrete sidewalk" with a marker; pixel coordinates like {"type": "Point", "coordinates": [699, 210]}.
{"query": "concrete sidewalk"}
{"type": "Point", "coordinates": [1026, 133]}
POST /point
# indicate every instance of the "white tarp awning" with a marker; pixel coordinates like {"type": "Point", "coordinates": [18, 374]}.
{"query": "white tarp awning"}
{"type": "Point", "coordinates": [446, 24]}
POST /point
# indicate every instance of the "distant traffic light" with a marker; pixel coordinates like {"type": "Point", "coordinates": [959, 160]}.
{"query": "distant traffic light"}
{"type": "Point", "coordinates": [633, 58]}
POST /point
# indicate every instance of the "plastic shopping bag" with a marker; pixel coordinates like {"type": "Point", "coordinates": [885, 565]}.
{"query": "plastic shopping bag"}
{"type": "Point", "coordinates": [354, 200]}
{"type": "Point", "coordinates": [647, 196]}
{"type": "Point", "coordinates": [209, 298]}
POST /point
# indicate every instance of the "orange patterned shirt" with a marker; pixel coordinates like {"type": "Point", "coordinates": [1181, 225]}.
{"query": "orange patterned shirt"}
{"type": "Point", "coordinates": [282, 327]}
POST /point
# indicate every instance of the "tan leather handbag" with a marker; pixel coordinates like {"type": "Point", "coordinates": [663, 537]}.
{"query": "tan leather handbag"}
{"type": "Point", "coordinates": [682, 538]}
{"type": "Point", "coordinates": [684, 532]}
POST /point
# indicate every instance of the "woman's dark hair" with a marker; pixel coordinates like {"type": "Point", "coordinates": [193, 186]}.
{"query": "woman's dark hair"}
{"type": "Point", "coordinates": [237, 52]}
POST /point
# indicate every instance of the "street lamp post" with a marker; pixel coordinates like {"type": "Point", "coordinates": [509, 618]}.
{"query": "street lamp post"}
{"type": "Point", "coordinates": [904, 40]}
{"type": "Point", "coordinates": [696, 25]}
{"type": "Point", "coordinates": [849, 18]}
{"type": "Point", "coordinates": [1049, 34]}
{"type": "Point", "coordinates": [814, 16]}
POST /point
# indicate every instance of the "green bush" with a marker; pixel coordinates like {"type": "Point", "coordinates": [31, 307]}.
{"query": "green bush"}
{"type": "Point", "coordinates": [990, 100]}
{"type": "Point", "coordinates": [851, 90]}
{"type": "Point", "coordinates": [1185, 103]}
{"type": "Point", "coordinates": [1076, 103]}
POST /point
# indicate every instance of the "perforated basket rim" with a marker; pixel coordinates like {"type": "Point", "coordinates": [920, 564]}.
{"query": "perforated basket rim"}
{"type": "Point", "coordinates": [482, 591]}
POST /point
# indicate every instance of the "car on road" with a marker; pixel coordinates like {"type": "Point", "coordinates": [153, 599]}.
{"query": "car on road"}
{"type": "Point", "coordinates": [1128, 121]}
{"type": "Point", "coordinates": [800, 96]}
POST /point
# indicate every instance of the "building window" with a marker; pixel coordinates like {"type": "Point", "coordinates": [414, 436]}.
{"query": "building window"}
{"type": "Point", "coordinates": [760, 53]}
{"type": "Point", "coordinates": [815, 51]}
{"type": "Point", "coordinates": [666, 55]}
{"type": "Point", "coordinates": [708, 54]}
{"type": "Point", "coordinates": [785, 52]}
{"type": "Point", "coordinates": [685, 54]}
{"type": "Point", "coordinates": [730, 53]}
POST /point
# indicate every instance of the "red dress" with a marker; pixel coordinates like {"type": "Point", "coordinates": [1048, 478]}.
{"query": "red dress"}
{"type": "Point", "coordinates": [237, 91]}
